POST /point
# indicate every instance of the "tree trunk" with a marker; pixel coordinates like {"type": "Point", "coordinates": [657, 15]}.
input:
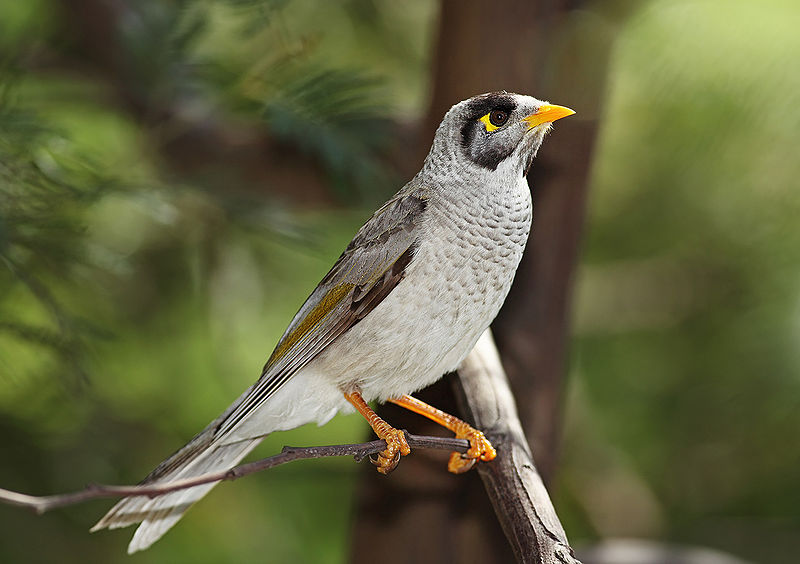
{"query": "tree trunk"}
{"type": "Point", "coordinates": [545, 49]}
{"type": "Point", "coordinates": [548, 50]}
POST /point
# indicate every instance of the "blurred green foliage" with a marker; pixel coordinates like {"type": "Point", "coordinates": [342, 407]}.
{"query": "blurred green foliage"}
{"type": "Point", "coordinates": [686, 384]}
{"type": "Point", "coordinates": [139, 297]}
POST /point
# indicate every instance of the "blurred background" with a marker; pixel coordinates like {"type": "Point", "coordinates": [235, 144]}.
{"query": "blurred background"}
{"type": "Point", "coordinates": [175, 177]}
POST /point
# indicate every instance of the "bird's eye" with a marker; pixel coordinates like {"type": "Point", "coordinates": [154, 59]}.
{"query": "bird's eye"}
{"type": "Point", "coordinates": [494, 120]}
{"type": "Point", "coordinates": [498, 118]}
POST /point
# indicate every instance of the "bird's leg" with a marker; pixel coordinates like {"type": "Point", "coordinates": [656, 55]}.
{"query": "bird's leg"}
{"type": "Point", "coordinates": [479, 446]}
{"type": "Point", "coordinates": [396, 443]}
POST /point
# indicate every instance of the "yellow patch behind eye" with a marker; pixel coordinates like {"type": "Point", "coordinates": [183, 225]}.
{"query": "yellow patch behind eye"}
{"type": "Point", "coordinates": [489, 125]}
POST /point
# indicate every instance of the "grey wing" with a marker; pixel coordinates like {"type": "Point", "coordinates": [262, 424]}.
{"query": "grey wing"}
{"type": "Point", "coordinates": [366, 272]}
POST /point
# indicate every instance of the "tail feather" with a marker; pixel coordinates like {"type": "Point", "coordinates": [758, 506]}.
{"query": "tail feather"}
{"type": "Point", "coordinates": [157, 515]}
{"type": "Point", "coordinates": [215, 450]}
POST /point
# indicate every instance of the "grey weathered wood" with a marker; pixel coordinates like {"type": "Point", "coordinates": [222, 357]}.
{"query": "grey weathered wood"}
{"type": "Point", "coordinates": [512, 482]}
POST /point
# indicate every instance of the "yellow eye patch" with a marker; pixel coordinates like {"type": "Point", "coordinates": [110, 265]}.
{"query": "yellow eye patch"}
{"type": "Point", "coordinates": [489, 125]}
{"type": "Point", "coordinates": [495, 119]}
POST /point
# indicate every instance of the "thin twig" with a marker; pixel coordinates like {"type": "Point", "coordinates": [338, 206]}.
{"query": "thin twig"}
{"type": "Point", "coordinates": [41, 504]}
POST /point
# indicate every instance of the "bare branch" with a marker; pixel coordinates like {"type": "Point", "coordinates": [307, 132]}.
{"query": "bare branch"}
{"type": "Point", "coordinates": [512, 482]}
{"type": "Point", "coordinates": [41, 504]}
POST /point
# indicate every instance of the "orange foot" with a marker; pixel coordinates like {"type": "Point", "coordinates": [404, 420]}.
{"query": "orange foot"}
{"type": "Point", "coordinates": [396, 446]}
{"type": "Point", "coordinates": [479, 446]}
{"type": "Point", "coordinates": [479, 449]}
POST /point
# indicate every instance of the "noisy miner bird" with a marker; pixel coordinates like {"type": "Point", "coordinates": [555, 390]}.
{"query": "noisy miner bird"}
{"type": "Point", "coordinates": [403, 305]}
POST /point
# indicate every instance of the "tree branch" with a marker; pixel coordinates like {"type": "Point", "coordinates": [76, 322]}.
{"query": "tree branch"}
{"type": "Point", "coordinates": [514, 486]}
{"type": "Point", "coordinates": [512, 482]}
{"type": "Point", "coordinates": [41, 504]}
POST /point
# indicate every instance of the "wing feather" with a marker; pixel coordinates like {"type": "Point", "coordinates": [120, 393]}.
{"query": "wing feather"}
{"type": "Point", "coordinates": [367, 271]}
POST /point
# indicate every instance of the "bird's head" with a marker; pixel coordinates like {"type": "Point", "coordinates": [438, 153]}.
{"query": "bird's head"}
{"type": "Point", "coordinates": [494, 128]}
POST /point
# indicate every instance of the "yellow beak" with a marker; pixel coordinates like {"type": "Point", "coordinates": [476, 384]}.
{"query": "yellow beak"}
{"type": "Point", "coordinates": [547, 113]}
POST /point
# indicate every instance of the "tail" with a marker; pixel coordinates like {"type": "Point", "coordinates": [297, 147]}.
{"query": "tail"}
{"type": "Point", "coordinates": [157, 515]}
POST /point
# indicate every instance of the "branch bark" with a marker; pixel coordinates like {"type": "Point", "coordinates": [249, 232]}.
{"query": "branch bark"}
{"type": "Point", "coordinates": [512, 482]}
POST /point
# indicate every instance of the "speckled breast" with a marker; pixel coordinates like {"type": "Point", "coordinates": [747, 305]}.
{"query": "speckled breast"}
{"type": "Point", "coordinates": [453, 288]}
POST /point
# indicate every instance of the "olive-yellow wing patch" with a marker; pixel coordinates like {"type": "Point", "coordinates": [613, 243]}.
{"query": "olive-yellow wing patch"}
{"type": "Point", "coordinates": [316, 317]}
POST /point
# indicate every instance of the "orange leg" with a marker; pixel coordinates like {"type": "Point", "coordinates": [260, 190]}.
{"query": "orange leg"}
{"type": "Point", "coordinates": [396, 444]}
{"type": "Point", "coordinates": [479, 445]}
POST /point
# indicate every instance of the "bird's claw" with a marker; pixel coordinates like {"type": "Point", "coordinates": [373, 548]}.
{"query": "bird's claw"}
{"type": "Point", "coordinates": [479, 449]}
{"type": "Point", "coordinates": [396, 446]}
